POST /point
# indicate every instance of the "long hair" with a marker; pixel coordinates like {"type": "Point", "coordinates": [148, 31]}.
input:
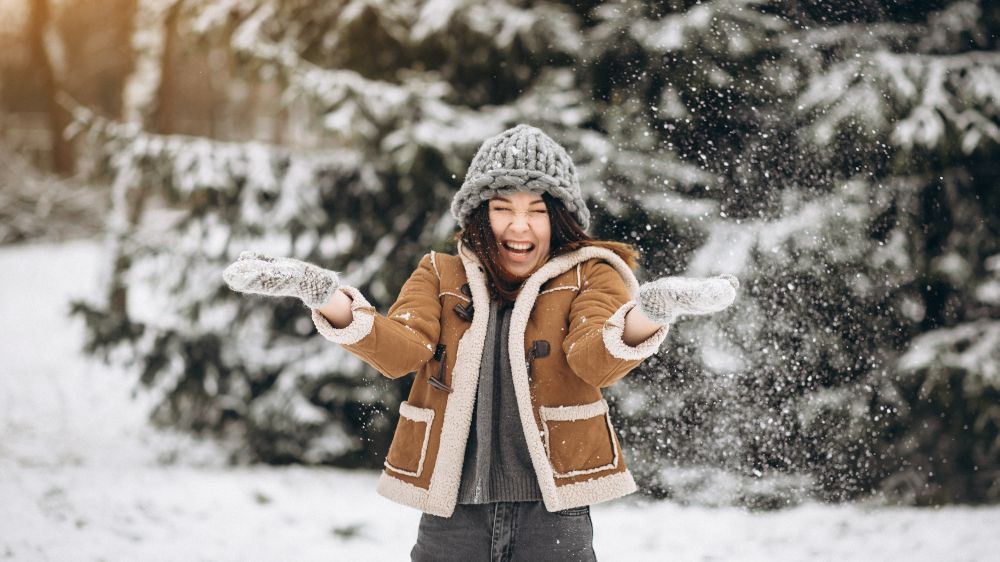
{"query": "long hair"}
{"type": "Point", "coordinates": [567, 236]}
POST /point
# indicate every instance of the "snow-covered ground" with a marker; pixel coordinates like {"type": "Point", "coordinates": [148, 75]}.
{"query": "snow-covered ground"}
{"type": "Point", "coordinates": [83, 478]}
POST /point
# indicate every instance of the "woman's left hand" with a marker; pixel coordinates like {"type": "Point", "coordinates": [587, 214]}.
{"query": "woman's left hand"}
{"type": "Point", "coordinates": [664, 299]}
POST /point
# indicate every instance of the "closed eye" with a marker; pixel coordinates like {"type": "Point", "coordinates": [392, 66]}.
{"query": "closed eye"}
{"type": "Point", "coordinates": [509, 209]}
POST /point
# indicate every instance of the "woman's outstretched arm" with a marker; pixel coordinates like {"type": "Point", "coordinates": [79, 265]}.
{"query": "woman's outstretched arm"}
{"type": "Point", "coordinates": [394, 344]}
{"type": "Point", "coordinates": [595, 346]}
{"type": "Point", "coordinates": [399, 342]}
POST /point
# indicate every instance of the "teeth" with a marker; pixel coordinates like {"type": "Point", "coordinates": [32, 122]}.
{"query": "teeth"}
{"type": "Point", "coordinates": [519, 245]}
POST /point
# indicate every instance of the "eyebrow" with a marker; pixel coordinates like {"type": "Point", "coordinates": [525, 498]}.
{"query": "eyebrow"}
{"type": "Point", "coordinates": [505, 200]}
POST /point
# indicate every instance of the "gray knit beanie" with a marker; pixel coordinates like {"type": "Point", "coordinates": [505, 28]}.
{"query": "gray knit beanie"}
{"type": "Point", "coordinates": [522, 158]}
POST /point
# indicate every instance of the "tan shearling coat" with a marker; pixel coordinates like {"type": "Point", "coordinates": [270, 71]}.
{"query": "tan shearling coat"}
{"type": "Point", "coordinates": [576, 303]}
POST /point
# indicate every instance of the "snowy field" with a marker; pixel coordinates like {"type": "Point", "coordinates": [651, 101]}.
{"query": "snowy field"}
{"type": "Point", "coordinates": [83, 478]}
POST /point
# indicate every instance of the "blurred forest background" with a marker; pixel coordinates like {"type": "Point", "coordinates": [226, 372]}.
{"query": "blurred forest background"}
{"type": "Point", "coordinates": [840, 157]}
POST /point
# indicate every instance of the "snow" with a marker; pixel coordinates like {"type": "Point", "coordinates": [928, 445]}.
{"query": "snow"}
{"type": "Point", "coordinates": [83, 477]}
{"type": "Point", "coordinates": [434, 18]}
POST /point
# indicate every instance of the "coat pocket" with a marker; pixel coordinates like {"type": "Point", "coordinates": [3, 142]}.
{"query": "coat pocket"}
{"type": "Point", "coordinates": [409, 444]}
{"type": "Point", "coordinates": [579, 439]}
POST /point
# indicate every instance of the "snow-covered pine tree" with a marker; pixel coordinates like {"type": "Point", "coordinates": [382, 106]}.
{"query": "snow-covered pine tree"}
{"type": "Point", "coordinates": [852, 153]}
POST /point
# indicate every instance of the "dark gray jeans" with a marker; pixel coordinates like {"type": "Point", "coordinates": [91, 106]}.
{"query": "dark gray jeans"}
{"type": "Point", "coordinates": [505, 532]}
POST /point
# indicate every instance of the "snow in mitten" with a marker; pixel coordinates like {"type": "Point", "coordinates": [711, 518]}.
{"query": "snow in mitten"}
{"type": "Point", "coordinates": [664, 299]}
{"type": "Point", "coordinates": [264, 275]}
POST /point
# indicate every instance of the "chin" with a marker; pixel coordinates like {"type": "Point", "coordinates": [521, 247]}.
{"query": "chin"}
{"type": "Point", "coordinates": [521, 270]}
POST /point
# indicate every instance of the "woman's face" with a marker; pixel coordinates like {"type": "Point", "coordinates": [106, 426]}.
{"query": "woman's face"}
{"type": "Point", "coordinates": [520, 224]}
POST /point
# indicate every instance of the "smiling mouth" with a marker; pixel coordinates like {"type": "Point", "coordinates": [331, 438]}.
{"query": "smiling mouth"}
{"type": "Point", "coordinates": [518, 248]}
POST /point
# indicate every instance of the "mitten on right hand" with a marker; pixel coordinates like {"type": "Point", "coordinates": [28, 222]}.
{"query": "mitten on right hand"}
{"type": "Point", "coordinates": [664, 299]}
{"type": "Point", "coordinates": [284, 277]}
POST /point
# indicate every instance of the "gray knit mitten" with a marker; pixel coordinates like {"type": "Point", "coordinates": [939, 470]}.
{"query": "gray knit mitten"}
{"type": "Point", "coordinates": [664, 299]}
{"type": "Point", "coordinates": [281, 277]}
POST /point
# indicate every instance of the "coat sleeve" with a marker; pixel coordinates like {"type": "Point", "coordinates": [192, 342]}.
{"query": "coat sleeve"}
{"type": "Point", "coordinates": [403, 340]}
{"type": "Point", "coordinates": [594, 347]}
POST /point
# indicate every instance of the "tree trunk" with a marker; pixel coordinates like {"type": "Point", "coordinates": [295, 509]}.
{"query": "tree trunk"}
{"type": "Point", "coordinates": [165, 101]}
{"type": "Point", "coordinates": [41, 40]}
{"type": "Point", "coordinates": [147, 102]}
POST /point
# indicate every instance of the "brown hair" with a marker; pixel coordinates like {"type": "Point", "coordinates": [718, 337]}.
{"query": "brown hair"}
{"type": "Point", "coordinates": [567, 236]}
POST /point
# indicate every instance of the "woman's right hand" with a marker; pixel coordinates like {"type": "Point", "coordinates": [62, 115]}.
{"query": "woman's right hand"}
{"type": "Point", "coordinates": [255, 273]}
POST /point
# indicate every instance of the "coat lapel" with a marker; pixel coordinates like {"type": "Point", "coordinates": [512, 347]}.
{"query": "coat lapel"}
{"type": "Point", "coordinates": [446, 478]}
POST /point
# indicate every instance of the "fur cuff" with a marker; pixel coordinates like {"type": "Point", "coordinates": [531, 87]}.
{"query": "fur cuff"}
{"type": "Point", "coordinates": [614, 328]}
{"type": "Point", "coordinates": [361, 326]}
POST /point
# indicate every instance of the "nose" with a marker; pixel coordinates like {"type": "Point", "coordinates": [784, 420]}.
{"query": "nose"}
{"type": "Point", "coordinates": [519, 222]}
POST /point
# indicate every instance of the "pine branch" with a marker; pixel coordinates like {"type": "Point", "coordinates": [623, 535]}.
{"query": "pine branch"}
{"type": "Point", "coordinates": [913, 98]}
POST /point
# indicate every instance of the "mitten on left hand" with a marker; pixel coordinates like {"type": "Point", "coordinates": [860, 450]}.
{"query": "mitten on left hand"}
{"type": "Point", "coordinates": [261, 274]}
{"type": "Point", "coordinates": [664, 299]}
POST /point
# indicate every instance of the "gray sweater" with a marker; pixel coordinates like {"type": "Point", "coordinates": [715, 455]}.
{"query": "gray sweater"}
{"type": "Point", "coordinates": [497, 466]}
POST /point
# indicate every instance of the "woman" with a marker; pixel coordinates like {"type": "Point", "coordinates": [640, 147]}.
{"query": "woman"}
{"type": "Point", "coordinates": [504, 440]}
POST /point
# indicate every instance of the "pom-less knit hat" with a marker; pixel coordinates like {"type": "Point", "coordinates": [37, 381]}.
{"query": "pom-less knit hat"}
{"type": "Point", "coordinates": [522, 158]}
